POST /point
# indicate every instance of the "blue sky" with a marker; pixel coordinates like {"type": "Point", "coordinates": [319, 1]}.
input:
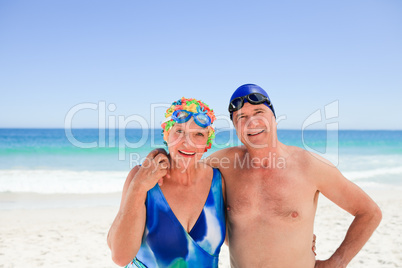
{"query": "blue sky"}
{"type": "Point", "coordinates": [55, 55]}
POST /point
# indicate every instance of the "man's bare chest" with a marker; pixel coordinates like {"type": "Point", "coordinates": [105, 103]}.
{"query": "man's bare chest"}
{"type": "Point", "coordinates": [261, 195]}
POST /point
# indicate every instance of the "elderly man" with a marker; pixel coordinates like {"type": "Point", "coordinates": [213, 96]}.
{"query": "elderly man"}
{"type": "Point", "coordinates": [272, 191]}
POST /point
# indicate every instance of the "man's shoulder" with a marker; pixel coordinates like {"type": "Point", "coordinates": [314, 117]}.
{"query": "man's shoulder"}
{"type": "Point", "coordinates": [297, 156]}
{"type": "Point", "coordinates": [230, 151]}
{"type": "Point", "coordinates": [296, 152]}
{"type": "Point", "coordinates": [225, 156]}
{"type": "Point", "coordinates": [236, 149]}
{"type": "Point", "coordinates": [307, 159]}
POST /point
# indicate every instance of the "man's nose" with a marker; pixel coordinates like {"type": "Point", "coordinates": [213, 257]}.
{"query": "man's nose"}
{"type": "Point", "coordinates": [253, 122]}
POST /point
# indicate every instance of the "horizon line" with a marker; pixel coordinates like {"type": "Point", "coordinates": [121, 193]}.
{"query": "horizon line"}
{"type": "Point", "coordinates": [232, 128]}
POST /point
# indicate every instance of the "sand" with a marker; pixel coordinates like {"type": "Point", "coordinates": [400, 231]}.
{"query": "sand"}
{"type": "Point", "coordinates": [70, 230]}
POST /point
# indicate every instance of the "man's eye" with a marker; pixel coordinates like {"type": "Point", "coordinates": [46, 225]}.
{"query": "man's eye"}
{"type": "Point", "coordinates": [200, 134]}
{"type": "Point", "coordinates": [179, 131]}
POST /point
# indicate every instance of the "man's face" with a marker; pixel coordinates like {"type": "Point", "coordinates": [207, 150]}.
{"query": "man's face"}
{"type": "Point", "coordinates": [253, 124]}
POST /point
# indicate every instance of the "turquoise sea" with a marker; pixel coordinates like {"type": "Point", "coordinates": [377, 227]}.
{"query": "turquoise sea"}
{"type": "Point", "coordinates": [97, 161]}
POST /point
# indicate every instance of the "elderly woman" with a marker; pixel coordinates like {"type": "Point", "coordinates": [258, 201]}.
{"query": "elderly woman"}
{"type": "Point", "coordinates": [175, 220]}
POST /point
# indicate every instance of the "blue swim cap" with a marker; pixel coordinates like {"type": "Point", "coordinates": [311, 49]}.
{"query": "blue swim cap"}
{"type": "Point", "coordinates": [247, 89]}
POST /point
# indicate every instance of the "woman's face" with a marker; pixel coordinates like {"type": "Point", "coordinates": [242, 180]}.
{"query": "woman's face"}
{"type": "Point", "coordinates": [187, 141]}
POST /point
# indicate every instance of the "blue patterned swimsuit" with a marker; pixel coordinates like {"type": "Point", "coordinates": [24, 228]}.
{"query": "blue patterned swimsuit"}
{"type": "Point", "coordinates": [166, 243]}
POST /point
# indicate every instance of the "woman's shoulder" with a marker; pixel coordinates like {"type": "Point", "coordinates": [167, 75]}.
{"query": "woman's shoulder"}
{"type": "Point", "coordinates": [207, 172]}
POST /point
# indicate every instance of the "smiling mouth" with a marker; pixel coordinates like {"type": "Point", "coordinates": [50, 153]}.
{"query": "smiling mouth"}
{"type": "Point", "coordinates": [254, 134]}
{"type": "Point", "coordinates": [188, 154]}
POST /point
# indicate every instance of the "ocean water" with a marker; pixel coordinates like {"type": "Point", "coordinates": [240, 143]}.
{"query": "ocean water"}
{"type": "Point", "coordinates": [48, 161]}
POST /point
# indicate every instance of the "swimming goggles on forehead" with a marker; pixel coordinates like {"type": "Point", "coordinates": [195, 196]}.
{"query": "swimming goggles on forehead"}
{"type": "Point", "coordinates": [253, 98]}
{"type": "Point", "coordinates": [182, 116]}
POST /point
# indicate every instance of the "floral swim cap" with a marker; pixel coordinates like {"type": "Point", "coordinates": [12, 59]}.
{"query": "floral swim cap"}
{"type": "Point", "coordinates": [191, 105]}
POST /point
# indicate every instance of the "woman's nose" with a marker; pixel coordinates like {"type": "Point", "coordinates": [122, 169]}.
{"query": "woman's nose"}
{"type": "Point", "coordinates": [186, 140]}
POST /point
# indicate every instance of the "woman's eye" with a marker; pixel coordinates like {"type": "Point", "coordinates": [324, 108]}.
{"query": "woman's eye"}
{"type": "Point", "coordinates": [200, 134]}
{"type": "Point", "coordinates": [179, 131]}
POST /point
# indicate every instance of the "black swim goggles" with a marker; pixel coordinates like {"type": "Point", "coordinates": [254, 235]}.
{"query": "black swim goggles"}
{"type": "Point", "coordinates": [253, 98]}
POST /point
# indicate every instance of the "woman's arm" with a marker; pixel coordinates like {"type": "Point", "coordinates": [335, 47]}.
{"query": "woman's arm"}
{"type": "Point", "coordinates": [125, 234]}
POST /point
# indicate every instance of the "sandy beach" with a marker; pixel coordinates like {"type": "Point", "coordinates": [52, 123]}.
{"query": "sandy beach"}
{"type": "Point", "coordinates": [70, 230]}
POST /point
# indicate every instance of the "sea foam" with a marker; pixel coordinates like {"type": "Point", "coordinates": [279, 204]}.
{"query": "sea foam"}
{"type": "Point", "coordinates": [61, 181]}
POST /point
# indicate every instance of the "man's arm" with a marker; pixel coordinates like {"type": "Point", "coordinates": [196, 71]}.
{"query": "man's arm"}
{"type": "Point", "coordinates": [224, 159]}
{"type": "Point", "coordinates": [347, 195]}
{"type": "Point", "coordinates": [214, 160]}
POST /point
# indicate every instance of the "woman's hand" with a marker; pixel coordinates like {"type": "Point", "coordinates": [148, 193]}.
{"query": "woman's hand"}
{"type": "Point", "coordinates": [153, 170]}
